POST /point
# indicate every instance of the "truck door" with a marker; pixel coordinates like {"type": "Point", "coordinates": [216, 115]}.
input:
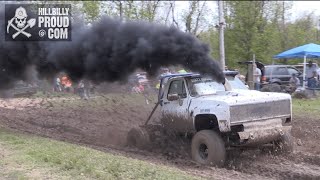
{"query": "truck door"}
{"type": "Point", "coordinates": [175, 110]}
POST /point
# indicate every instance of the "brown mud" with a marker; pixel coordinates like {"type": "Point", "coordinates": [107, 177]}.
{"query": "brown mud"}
{"type": "Point", "coordinates": [103, 122]}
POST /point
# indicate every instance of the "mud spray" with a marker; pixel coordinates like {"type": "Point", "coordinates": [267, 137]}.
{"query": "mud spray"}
{"type": "Point", "coordinates": [106, 51]}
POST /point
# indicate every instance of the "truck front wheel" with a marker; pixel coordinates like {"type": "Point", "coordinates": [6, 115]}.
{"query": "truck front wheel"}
{"type": "Point", "coordinates": [208, 148]}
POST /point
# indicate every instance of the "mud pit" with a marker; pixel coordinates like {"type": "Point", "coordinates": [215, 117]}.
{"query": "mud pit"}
{"type": "Point", "coordinates": [103, 122]}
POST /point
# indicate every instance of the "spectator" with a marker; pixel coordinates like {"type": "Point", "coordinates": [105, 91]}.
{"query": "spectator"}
{"type": "Point", "coordinates": [294, 83]}
{"type": "Point", "coordinates": [66, 83]}
{"type": "Point", "coordinates": [64, 80]}
{"type": "Point", "coordinates": [68, 86]}
{"type": "Point", "coordinates": [256, 77]}
{"type": "Point", "coordinates": [92, 88]}
{"type": "Point", "coordinates": [158, 85]}
{"type": "Point", "coordinates": [57, 85]}
{"type": "Point", "coordinates": [313, 81]}
{"type": "Point", "coordinates": [165, 71]}
{"type": "Point", "coordinates": [82, 90]}
{"type": "Point", "coordinates": [86, 88]}
{"type": "Point", "coordinates": [181, 71]}
{"type": "Point", "coordinates": [294, 80]}
{"type": "Point", "coordinates": [311, 70]}
{"type": "Point", "coordinates": [240, 76]}
{"type": "Point", "coordinates": [318, 72]}
{"type": "Point", "coordinates": [139, 89]}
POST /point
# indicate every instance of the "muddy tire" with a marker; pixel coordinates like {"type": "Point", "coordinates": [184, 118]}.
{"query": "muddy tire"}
{"type": "Point", "coordinates": [284, 145]}
{"type": "Point", "coordinates": [208, 148]}
{"type": "Point", "coordinates": [138, 137]}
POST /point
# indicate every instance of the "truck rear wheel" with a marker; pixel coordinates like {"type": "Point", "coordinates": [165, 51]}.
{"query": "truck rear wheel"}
{"type": "Point", "coordinates": [138, 137]}
{"type": "Point", "coordinates": [284, 144]}
{"type": "Point", "coordinates": [208, 148]}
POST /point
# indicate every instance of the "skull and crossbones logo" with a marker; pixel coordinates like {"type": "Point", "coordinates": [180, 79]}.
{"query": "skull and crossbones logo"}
{"type": "Point", "coordinates": [20, 24]}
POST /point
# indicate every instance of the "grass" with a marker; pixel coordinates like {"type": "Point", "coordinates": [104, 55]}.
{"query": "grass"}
{"type": "Point", "coordinates": [306, 106]}
{"type": "Point", "coordinates": [31, 157]}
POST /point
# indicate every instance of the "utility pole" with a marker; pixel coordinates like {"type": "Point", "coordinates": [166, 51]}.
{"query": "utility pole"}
{"type": "Point", "coordinates": [221, 35]}
{"type": "Point", "coordinates": [121, 10]}
{"type": "Point", "coordinates": [251, 72]}
{"type": "Point", "coordinates": [318, 28]}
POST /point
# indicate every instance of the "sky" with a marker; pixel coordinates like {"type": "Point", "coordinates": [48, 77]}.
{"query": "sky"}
{"type": "Point", "coordinates": [298, 7]}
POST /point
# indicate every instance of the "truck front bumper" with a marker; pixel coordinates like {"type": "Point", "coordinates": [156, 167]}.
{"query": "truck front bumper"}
{"type": "Point", "coordinates": [257, 133]}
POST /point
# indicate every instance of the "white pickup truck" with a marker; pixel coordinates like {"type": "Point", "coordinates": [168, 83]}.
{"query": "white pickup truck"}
{"type": "Point", "coordinates": [219, 116]}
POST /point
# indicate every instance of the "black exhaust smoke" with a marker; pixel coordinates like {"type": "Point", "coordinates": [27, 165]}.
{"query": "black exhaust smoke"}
{"type": "Point", "coordinates": [106, 51]}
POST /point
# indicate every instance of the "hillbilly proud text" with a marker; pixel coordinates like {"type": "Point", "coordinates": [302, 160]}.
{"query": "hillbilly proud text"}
{"type": "Point", "coordinates": [55, 20]}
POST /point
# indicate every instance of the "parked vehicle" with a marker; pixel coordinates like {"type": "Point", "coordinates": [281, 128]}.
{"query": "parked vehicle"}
{"type": "Point", "coordinates": [275, 78]}
{"type": "Point", "coordinates": [281, 74]}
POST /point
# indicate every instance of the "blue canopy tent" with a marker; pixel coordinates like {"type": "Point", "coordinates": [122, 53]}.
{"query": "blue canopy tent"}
{"type": "Point", "coordinates": [306, 51]}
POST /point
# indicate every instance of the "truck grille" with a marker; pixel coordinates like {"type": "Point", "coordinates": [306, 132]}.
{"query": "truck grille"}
{"type": "Point", "coordinates": [249, 112]}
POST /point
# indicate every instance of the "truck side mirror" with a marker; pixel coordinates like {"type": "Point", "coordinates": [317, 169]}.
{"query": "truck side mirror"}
{"type": "Point", "coordinates": [173, 97]}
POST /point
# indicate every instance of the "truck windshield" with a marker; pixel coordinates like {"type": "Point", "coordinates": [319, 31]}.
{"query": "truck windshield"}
{"type": "Point", "coordinates": [204, 86]}
{"type": "Point", "coordinates": [236, 83]}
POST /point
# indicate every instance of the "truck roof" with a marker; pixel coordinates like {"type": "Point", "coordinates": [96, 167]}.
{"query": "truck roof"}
{"type": "Point", "coordinates": [180, 75]}
{"type": "Point", "coordinates": [232, 73]}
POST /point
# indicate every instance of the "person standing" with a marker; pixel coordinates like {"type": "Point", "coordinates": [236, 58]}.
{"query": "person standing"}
{"type": "Point", "coordinates": [318, 72]}
{"type": "Point", "coordinates": [138, 87]}
{"type": "Point", "coordinates": [64, 80]}
{"type": "Point", "coordinates": [311, 70]}
{"type": "Point", "coordinates": [57, 85]}
{"type": "Point", "coordinates": [256, 77]}
{"type": "Point", "coordinates": [86, 88]}
{"type": "Point", "coordinates": [82, 90]}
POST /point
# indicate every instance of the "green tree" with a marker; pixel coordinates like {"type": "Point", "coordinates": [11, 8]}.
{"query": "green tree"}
{"type": "Point", "coordinates": [194, 16]}
{"type": "Point", "coordinates": [148, 10]}
{"type": "Point", "coordinates": [252, 29]}
{"type": "Point", "coordinates": [279, 18]}
{"type": "Point", "coordinates": [91, 10]}
{"type": "Point", "coordinates": [139, 10]}
{"type": "Point", "coordinates": [302, 31]}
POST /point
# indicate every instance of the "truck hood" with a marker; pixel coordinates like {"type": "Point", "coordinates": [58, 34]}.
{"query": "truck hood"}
{"type": "Point", "coordinates": [239, 97]}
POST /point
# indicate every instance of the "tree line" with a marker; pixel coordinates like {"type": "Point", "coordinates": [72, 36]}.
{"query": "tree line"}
{"type": "Point", "coordinates": [263, 28]}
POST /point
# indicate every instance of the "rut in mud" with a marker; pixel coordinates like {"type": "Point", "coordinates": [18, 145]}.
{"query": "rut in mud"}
{"type": "Point", "coordinates": [103, 122]}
